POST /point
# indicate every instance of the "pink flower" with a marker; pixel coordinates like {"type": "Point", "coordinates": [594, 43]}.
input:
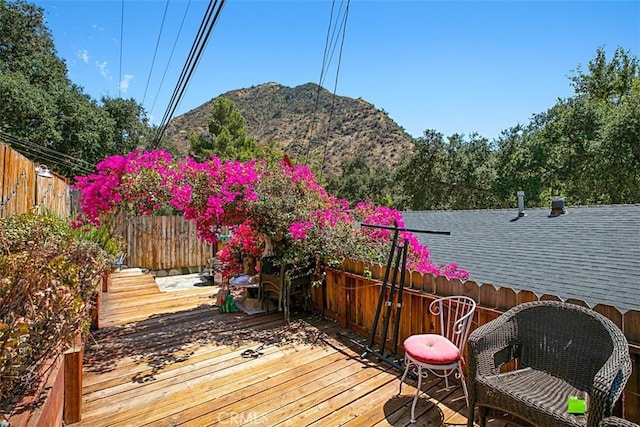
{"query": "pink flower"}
{"type": "Point", "coordinates": [253, 199]}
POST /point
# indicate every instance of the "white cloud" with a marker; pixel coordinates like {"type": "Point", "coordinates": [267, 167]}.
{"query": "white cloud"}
{"type": "Point", "coordinates": [124, 84]}
{"type": "Point", "coordinates": [84, 55]}
{"type": "Point", "coordinates": [97, 27]}
{"type": "Point", "coordinates": [102, 66]}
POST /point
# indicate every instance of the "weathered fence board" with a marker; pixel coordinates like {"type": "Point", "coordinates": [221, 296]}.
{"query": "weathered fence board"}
{"type": "Point", "coordinates": [162, 243]}
{"type": "Point", "coordinates": [23, 191]}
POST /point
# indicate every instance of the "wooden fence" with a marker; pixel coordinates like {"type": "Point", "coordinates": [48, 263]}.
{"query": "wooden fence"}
{"type": "Point", "coordinates": [351, 298]}
{"type": "Point", "coordinates": [23, 191]}
{"type": "Point", "coordinates": [163, 243]}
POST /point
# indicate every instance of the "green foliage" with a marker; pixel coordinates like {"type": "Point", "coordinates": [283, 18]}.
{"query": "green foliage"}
{"type": "Point", "coordinates": [361, 180]}
{"type": "Point", "coordinates": [451, 173]}
{"type": "Point", "coordinates": [102, 236]}
{"type": "Point", "coordinates": [608, 81]}
{"type": "Point", "coordinates": [228, 138]}
{"type": "Point", "coordinates": [38, 102]}
{"type": "Point", "coordinates": [47, 280]}
{"type": "Point", "coordinates": [585, 148]}
{"type": "Point", "coordinates": [131, 129]}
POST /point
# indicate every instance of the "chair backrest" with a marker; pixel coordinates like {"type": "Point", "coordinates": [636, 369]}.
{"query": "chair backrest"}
{"type": "Point", "coordinates": [566, 340]}
{"type": "Point", "coordinates": [455, 315]}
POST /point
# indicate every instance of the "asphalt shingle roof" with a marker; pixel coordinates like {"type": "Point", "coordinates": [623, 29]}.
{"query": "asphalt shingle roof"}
{"type": "Point", "coordinates": [591, 253]}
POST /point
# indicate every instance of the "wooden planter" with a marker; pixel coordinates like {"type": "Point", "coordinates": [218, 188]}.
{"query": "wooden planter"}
{"type": "Point", "coordinates": [61, 398]}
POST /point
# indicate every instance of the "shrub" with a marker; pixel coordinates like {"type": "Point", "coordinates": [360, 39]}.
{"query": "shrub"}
{"type": "Point", "coordinates": [282, 203]}
{"type": "Point", "coordinates": [47, 280]}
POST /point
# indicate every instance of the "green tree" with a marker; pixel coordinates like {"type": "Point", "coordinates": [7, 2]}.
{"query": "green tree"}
{"type": "Point", "coordinates": [131, 124]}
{"type": "Point", "coordinates": [448, 173]}
{"type": "Point", "coordinates": [619, 177]}
{"type": "Point", "coordinates": [228, 137]}
{"type": "Point", "coordinates": [39, 103]}
{"type": "Point", "coordinates": [359, 181]}
{"type": "Point", "coordinates": [26, 46]}
{"type": "Point", "coordinates": [607, 81]}
{"type": "Point", "coordinates": [422, 174]}
{"type": "Point", "coordinates": [31, 74]}
{"type": "Point", "coordinates": [470, 173]}
{"type": "Point", "coordinates": [517, 165]}
{"type": "Point", "coordinates": [584, 148]}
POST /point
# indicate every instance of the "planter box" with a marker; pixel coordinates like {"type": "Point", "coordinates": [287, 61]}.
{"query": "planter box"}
{"type": "Point", "coordinates": [60, 400]}
{"type": "Point", "coordinates": [49, 411]}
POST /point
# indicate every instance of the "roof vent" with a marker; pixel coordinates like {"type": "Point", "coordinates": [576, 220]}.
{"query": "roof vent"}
{"type": "Point", "coordinates": [557, 206]}
{"type": "Point", "coordinates": [520, 203]}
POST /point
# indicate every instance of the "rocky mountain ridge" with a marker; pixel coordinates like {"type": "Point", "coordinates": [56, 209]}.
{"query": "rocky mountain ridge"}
{"type": "Point", "coordinates": [307, 122]}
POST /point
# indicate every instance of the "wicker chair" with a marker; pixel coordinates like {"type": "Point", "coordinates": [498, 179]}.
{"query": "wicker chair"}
{"type": "Point", "coordinates": [616, 422]}
{"type": "Point", "coordinates": [560, 350]}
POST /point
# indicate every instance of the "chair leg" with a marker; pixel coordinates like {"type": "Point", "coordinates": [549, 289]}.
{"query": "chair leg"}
{"type": "Point", "coordinates": [415, 399]}
{"type": "Point", "coordinates": [406, 371]}
{"type": "Point", "coordinates": [464, 384]}
{"type": "Point", "coordinates": [470, 415]}
{"type": "Point", "coordinates": [482, 413]}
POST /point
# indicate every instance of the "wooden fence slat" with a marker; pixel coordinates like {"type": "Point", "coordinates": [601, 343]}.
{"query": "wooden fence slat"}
{"type": "Point", "coordinates": [526, 296]}
{"type": "Point", "coordinates": [162, 243]}
{"type": "Point", "coordinates": [21, 189]}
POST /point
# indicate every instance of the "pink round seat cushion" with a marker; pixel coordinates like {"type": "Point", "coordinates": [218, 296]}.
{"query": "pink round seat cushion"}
{"type": "Point", "coordinates": [431, 348]}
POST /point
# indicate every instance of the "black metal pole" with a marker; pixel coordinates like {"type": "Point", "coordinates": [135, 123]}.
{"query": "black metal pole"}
{"type": "Point", "coordinates": [405, 250]}
{"type": "Point", "coordinates": [392, 292]}
{"type": "Point", "coordinates": [411, 230]}
{"type": "Point", "coordinates": [381, 297]}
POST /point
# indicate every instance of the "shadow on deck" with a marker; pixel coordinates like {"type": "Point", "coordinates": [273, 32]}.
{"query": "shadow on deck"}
{"type": "Point", "coordinates": [168, 359]}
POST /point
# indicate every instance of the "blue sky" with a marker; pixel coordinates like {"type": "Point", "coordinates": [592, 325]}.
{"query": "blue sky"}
{"type": "Point", "coordinates": [452, 66]}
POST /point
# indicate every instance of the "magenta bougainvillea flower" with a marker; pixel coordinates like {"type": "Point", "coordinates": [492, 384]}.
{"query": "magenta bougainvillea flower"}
{"type": "Point", "coordinates": [282, 203]}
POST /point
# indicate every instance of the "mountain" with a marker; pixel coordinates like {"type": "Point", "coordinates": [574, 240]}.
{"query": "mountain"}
{"type": "Point", "coordinates": [306, 121]}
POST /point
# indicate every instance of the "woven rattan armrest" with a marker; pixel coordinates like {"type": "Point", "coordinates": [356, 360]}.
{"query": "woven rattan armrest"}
{"type": "Point", "coordinates": [616, 422]}
{"type": "Point", "coordinates": [491, 346]}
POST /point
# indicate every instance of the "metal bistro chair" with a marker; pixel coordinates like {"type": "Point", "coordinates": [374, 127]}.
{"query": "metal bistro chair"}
{"type": "Point", "coordinates": [560, 350]}
{"type": "Point", "coordinates": [440, 354]}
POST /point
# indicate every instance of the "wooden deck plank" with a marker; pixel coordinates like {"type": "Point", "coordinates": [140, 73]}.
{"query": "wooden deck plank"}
{"type": "Point", "coordinates": [374, 407]}
{"type": "Point", "coordinates": [252, 398]}
{"type": "Point", "coordinates": [171, 358]}
{"type": "Point", "coordinates": [219, 398]}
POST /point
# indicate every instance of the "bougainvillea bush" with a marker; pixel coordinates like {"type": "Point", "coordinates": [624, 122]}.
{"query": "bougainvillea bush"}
{"type": "Point", "coordinates": [47, 279]}
{"type": "Point", "coordinates": [280, 208]}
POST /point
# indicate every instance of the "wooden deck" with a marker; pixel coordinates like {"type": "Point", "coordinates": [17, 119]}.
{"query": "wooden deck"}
{"type": "Point", "coordinates": [168, 359]}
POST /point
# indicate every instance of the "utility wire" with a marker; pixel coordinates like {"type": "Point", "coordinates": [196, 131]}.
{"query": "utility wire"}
{"type": "Point", "coordinates": [335, 87]}
{"type": "Point", "coordinates": [208, 23]}
{"type": "Point", "coordinates": [182, 80]}
{"type": "Point", "coordinates": [155, 52]}
{"type": "Point", "coordinates": [49, 155]}
{"type": "Point", "coordinates": [121, 43]}
{"type": "Point", "coordinates": [334, 32]}
{"type": "Point", "coordinates": [322, 71]}
{"type": "Point", "coordinates": [164, 74]}
{"type": "Point", "coordinates": [44, 149]}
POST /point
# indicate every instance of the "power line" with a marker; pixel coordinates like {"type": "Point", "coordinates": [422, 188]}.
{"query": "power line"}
{"type": "Point", "coordinates": [204, 32]}
{"type": "Point", "coordinates": [49, 155]}
{"type": "Point", "coordinates": [121, 43]}
{"type": "Point", "coordinates": [155, 52]}
{"type": "Point", "coordinates": [44, 149]}
{"type": "Point", "coordinates": [322, 71]}
{"type": "Point", "coordinates": [335, 87]}
{"type": "Point", "coordinates": [170, 56]}
{"type": "Point", "coordinates": [333, 32]}
{"type": "Point", "coordinates": [49, 158]}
